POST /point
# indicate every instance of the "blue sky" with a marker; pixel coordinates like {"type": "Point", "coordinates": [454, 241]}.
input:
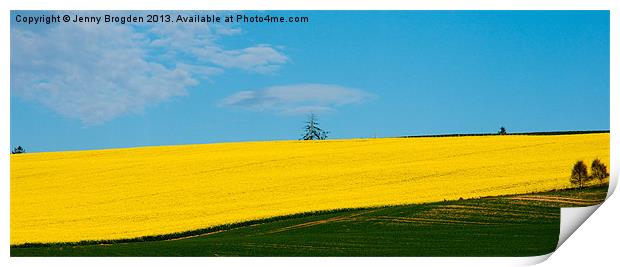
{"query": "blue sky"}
{"type": "Point", "coordinates": [387, 73]}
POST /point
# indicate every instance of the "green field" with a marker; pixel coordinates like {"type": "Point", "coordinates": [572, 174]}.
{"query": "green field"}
{"type": "Point", "coordinates": [519, 225]}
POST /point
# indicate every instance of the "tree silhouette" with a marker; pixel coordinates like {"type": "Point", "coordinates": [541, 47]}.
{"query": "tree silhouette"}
{"type": "Point", "coordinates": [579, 175]}
{"type": "Point", "coordinates": [18, 150]}
{"type": "Point", "coordinates": [599, 170]}
{"type": "Point", "coordinates": [312, 130]}
{"type": "Point", "coordinates": [502, 130]}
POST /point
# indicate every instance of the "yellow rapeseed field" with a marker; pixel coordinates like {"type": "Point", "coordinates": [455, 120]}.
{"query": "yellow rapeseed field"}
{"type": "Point", "coordinates": [123, 193]}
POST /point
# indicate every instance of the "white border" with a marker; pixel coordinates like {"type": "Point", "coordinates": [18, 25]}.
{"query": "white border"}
{"type": "Point", "coordinates": [288, 5]}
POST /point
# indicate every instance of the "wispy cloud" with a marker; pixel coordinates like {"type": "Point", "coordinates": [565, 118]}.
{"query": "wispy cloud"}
{"type": "Point", "coordinates": [261, 58]}
{"type": "Point", "coordinates": [200, 42]}
{"type": "Point", "coordinates": [296, 99]}
{"type": "Point", "coordinates": [95, 73]}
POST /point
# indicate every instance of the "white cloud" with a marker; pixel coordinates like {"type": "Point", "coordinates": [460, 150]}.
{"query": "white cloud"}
{"type": "Point", "coordinates": [261, 58]}
{"type": "Point", "coordinates": [84, 73]}
{"type": "Point", "coordinates": [296, 99]}
{"type": "Point", "coordinates": [95, 73]}
{"type": "Point", "coordinates": [199, 41]}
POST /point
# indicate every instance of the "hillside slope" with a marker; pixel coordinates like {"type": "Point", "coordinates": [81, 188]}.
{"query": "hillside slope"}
{"type": "Point", "coordinates": [517, 225]}
{"type": "Point", "coordinates": [124, 193]}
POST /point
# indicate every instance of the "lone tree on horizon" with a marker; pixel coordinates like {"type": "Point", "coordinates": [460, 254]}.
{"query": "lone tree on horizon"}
{"type": "Point", "coordinates": [502, 131]}
{"type": "Point", "coordinates": [312, 130]}
{"type": "Point", "coordinates": [18, 150]}
{"type": "Point", "coordinates": [599, 170]}
{"type": "Point", "coordinates": [579, 175]}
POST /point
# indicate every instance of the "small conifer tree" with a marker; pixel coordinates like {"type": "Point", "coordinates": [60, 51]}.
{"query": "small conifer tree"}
{"type": "Point", "coordinates": [312, 130]}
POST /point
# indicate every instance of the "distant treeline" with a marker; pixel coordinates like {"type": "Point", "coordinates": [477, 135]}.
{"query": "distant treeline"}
{"type": "Point", "coordinates": [526, 133]}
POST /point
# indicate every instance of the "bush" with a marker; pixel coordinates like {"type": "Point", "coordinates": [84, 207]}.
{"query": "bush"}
{"type": "Point", "coordinates": [579, 175]}
{"type": "Point", "coordinates": [18, 150]}
{"type": "Point", "coordinates": [599, 170]}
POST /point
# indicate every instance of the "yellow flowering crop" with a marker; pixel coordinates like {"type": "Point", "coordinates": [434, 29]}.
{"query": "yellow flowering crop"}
{"type": "Point", "coordinates": [124, 193]}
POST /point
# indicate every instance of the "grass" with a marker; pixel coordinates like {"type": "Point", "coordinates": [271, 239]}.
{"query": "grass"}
{"type": "Point", "coordinates": [515, 225]}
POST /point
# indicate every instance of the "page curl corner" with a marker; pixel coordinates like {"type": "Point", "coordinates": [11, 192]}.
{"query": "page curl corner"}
{"type": "Point", "coordinates": [571, 219]}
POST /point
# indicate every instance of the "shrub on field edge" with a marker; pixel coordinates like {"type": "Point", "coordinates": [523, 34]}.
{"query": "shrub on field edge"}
{"type": "Point", "coordinates": [599, 170]}
{"type": "Point", "coordinates": [18, 150]}
{"type": "Point", "coordinates": [579, 175]}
